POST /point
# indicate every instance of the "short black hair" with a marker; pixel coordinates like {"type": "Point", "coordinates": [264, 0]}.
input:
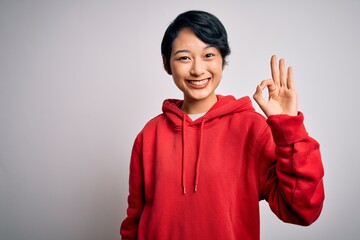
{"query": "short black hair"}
{"type": "Point", "coordinates": [205, 26]}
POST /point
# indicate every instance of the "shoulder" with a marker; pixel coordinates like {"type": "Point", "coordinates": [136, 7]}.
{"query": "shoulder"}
{"type": "Point", "coordinates": [154, 122]}
{"type": "Point", "coordinates": [249, 124]}
{"type": "Point", "coordinates": [149, 128]}
{"type": "Point", "coordinates": [250, 117]}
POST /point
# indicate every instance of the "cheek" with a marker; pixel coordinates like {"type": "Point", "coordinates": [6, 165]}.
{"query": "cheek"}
{"type": "Point", "coordinates": [178, 70]}
{"type": "Point", "coordinates": [176, 73]}
{"type": "Point", "coordinates": [217, 68]}
{"type": "Point", "coordinates": [217, 63]}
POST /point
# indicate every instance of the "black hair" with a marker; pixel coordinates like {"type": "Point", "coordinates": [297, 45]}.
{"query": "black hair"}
{"type": "Point", "coordinates": [205, 26]}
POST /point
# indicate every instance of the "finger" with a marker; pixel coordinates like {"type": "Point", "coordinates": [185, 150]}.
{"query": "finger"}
{"type": "Point", "coordinates": [290, 79]}
{"type": "Point", "coordinates": [260, 88]}
{"type": "Point", "coordinates": [282, 72]}
{"type": "Point", "coordinates": [258, 95]}
{"type": "Point", "coordinates": [269, 83]}
{"type": "Point", "coordinates": [274, 71]}
{"type": "Point", "coordinates": [260, 99]}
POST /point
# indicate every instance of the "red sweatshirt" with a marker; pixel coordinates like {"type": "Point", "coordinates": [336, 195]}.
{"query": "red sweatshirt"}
{"type": "Point", "coordinates": [204, 179]}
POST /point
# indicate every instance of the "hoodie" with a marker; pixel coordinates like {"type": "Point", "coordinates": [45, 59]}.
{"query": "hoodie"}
{"type": "Point", "coordinates": [203, 179]}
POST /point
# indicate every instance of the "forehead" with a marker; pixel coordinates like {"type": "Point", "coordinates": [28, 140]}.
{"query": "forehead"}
{"type": "Point", "coordinates": [187, 40]}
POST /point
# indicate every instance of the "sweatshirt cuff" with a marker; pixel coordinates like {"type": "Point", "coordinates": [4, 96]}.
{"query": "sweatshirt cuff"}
{"type": "Point", "coordinates": [287, 129]}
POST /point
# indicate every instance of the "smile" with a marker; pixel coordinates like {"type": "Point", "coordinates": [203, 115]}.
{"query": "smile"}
{"type": "Point", "coordinates": [198, 83]}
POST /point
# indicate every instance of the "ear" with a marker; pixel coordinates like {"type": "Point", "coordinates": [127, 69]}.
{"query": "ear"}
{"type": "Point", "coordinates": [167, 69]}
{"type": "Point", "coordinates": [224, 63]}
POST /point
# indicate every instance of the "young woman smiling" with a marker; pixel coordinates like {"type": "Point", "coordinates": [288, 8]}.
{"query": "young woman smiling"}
{"type": "Point", "coordinates": [199, 169]}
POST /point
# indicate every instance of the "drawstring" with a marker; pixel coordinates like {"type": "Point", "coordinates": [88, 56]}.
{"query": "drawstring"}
{"type": "Point", "coordinates": [198, 159]}
{"type": "Point", "coordinates": [199, 155]}
{"type": "Point", "coordinates": [183, 155]}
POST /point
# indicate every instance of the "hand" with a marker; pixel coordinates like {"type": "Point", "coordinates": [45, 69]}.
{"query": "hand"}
{"type": "Point", "coordinates": [282, 93]}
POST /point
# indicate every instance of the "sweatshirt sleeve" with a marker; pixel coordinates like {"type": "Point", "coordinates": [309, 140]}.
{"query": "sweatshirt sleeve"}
{"type": "Point", "coordinates": [136, 202]}
{"type": "Point", "coordinates": [291, 170]}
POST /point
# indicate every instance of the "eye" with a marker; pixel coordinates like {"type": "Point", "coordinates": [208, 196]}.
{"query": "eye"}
{"type": "Point", "coordinates": [209, 55]}
{"type": "Point", "coordinates": [183, 58]}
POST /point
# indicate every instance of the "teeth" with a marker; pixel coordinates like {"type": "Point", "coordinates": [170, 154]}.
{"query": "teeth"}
{"type": "Point", "coordinates": [198, 83]}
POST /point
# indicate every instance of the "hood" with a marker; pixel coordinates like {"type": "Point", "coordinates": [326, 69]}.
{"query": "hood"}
{"type": "Point", "coordinates": [225, 105]}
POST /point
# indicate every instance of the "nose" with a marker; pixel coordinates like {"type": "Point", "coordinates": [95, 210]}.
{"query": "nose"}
{"type": "Point", "coordinates": [197, 68]}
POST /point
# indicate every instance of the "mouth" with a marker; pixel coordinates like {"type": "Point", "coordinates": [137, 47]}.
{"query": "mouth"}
{"type": "Point", "coordinates": [198, 83]}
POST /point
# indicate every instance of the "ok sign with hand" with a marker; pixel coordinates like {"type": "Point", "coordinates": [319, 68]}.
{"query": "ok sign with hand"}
{"type": "Point", "coordinates": [282, 92]}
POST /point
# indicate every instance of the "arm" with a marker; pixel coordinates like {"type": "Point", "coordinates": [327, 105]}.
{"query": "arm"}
{"type": "Point", "coordinates": [291, 170]}
{"type": "Point", "coordinates": [136, 200]}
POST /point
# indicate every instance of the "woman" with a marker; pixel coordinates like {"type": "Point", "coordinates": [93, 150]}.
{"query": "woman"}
{"type": "Point", "coordinates": [199, 169]}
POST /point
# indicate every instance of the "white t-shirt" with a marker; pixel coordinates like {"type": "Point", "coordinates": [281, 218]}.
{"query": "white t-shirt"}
{"type": "Point", "coordinates": [196, 116]}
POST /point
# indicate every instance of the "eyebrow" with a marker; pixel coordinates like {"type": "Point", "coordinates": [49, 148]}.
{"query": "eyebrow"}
{"type": "Point", "coordinates": [187, 51]}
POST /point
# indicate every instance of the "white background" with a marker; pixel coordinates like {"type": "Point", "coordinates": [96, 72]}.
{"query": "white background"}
{"type": "Point", "coordinates": [79, 79]}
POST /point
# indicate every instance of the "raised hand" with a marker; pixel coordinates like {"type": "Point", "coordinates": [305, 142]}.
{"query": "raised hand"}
{"type": "Point", "coordinates": [282, 92]}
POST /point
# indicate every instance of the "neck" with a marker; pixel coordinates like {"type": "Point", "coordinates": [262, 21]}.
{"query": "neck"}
{"type": "Point", "coordinates": [199, 106]}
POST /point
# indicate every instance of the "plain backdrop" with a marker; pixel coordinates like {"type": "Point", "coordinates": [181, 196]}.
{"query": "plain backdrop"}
{"type": "Point", "coordinates": [79, 79]}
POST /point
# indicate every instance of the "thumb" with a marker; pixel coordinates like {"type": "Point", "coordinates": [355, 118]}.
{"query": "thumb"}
{"type": "Point", "coordinates": [258, 97]}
